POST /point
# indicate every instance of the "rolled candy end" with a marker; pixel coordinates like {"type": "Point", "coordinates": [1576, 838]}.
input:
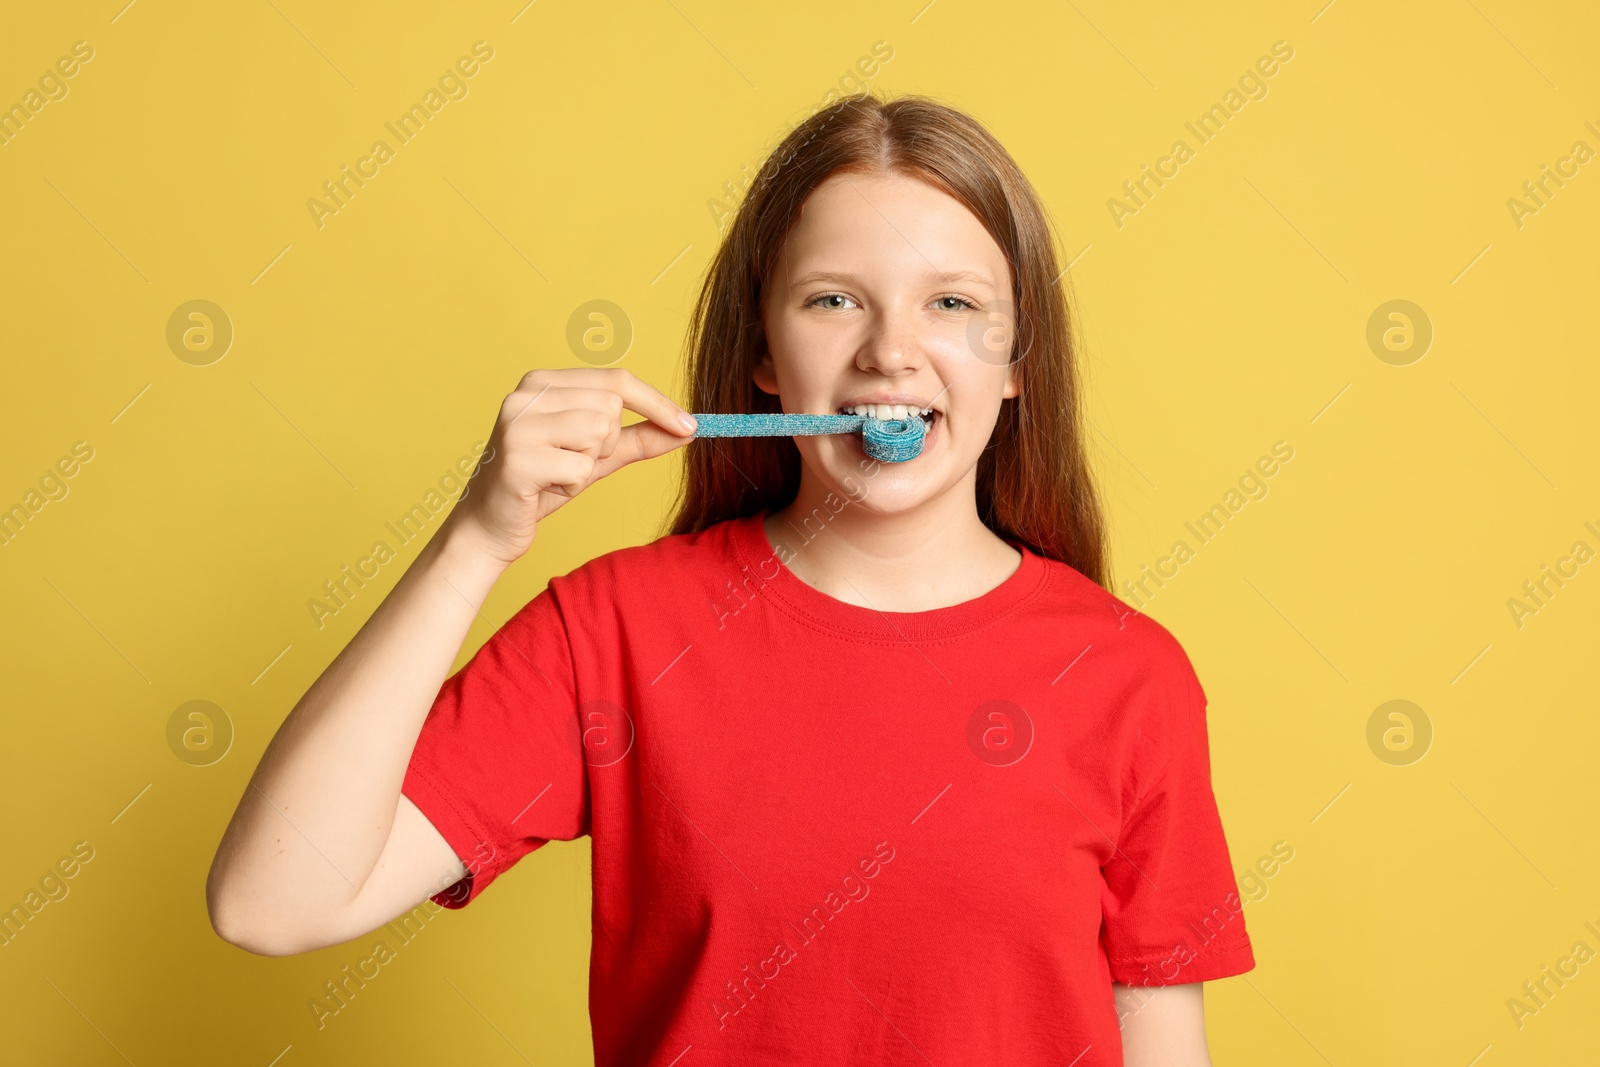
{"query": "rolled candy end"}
{"type": "Point", "coordinates": [894, 440]}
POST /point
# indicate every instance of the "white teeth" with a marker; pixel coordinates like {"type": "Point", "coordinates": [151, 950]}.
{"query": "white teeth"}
{"type": "Point", "coordinates": [886, 411]}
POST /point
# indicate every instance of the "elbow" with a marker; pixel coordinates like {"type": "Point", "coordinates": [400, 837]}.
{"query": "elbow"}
{"type": "Point", "coordinates": [241, 932]}
{"type": "Point", "coordinates": [234, 922]}
{"type": "Point", "coordinates": [236, 929]}
{"type": "Point", "coordinates": [249, 940]}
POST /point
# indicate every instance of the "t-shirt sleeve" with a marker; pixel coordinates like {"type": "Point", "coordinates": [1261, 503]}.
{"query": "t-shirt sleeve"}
{"type": "Point", "coordinates": [1171, 907]}
{"type": "Point", "coordinates": [498, 767]}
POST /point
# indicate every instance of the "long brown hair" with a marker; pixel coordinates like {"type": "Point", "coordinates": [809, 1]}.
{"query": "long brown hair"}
{"type": "Point", "coordinates": [1033, 479]}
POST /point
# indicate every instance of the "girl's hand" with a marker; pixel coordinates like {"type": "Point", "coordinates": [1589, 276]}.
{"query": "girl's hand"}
{"type": "Point", "coordinates": [558, 433]}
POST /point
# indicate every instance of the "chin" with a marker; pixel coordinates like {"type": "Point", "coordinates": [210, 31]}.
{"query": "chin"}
{"type": "Point", "coordinates": [878, 486]}
{"type": "Point", "coordinates": [886, 492]}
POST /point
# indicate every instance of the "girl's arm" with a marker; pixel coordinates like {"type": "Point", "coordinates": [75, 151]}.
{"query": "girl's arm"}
{"type": "Point", "coordinates": [1162, 1026]}
{"type": "Point", "coordinates": [324, 846]}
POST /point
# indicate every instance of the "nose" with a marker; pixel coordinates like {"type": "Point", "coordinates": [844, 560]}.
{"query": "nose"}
{"type": "Point", "coordinates": [891, 346]}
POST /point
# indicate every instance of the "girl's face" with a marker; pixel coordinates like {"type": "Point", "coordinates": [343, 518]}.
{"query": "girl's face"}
{"type": "Point", "coordinates": [890, 292]}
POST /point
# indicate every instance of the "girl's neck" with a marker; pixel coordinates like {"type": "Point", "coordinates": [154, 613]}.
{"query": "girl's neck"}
{"type": "Point", "coordinates": [931, 556]}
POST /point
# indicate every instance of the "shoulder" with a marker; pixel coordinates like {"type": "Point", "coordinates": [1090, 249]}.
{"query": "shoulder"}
{"type": "Point", "coordinates": [1113, 624]}
{"type": "Point", "coordinates": [1140, 667]}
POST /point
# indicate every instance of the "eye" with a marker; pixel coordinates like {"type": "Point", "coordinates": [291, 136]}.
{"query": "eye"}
{"type": "Point", "coordinates": [827, 296]}
{"type": "Point", "coordinates": [962, 302]}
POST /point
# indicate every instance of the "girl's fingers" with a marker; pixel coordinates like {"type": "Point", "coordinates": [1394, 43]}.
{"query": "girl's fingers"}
{"type": "Point", "coordinates": [637, 396]}
{"type": "Point", "coordinates": [654, 405]}
{"type": "Point", "coordinates": [588, 430]}
{"type": "Point", "coordinates": [642, 440]}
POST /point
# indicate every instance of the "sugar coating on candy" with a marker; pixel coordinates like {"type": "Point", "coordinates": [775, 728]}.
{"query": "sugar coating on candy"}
{"type": "Point", "coordinates": [894, 440]}
{"type": "Point", "coordinates": [889, 440]}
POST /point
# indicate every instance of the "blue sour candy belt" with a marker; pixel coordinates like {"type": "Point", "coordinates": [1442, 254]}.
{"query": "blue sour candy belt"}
{"type": "Point", "coordinates": [889, 440]}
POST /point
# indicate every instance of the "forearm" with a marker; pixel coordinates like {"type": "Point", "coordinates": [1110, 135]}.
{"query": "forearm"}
{"type": "Point", "coordinates": [317, 812]}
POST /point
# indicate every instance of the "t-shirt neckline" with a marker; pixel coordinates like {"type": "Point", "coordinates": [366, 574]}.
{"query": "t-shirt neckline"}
{"type": "Point", "coordinates": [821, 611]}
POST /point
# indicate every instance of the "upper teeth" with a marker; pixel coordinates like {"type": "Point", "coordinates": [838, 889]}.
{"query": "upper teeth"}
{"type": "Point", "coordinates": [886, 411]}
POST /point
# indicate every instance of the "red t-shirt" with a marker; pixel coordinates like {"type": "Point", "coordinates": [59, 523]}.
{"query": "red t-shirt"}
{"type": "Point", "coordinates": [823, 833]}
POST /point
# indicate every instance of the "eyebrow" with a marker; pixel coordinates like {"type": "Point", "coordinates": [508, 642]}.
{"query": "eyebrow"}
{"type": "Point", "coordinates": [950, 276]}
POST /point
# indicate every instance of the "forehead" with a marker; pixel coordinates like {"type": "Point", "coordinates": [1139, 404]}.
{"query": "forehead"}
{"type": "Point", "coordinates": [858, 223]}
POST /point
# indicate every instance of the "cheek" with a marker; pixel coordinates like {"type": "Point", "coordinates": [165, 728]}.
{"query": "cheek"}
{"type": "Point", "coordinates": [810, 368]}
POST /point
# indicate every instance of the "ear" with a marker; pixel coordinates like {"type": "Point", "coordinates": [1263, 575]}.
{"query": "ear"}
{"type": "Point", "coordinates": [765, 378]}
{"type": "Point", "coordinates": [1013, 386]}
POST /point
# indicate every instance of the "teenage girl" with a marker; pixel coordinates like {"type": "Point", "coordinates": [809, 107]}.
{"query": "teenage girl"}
{"type": "Point", "coordinates": [875, 768]}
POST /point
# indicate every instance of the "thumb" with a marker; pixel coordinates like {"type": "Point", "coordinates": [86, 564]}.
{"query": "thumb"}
{"type": "Point", "coordinates": [642, 440]}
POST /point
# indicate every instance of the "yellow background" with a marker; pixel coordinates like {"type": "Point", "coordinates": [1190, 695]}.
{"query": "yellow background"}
{"type": "Point", "coordinates": [1227, 314]}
